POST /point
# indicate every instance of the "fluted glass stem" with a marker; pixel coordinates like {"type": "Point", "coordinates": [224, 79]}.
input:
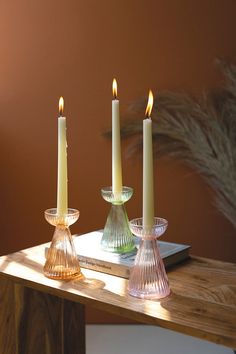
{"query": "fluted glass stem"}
{"type": "Point", "coordinates": [148, 277]}
{"type": "Point", "coordinates": [61, 259]}
{"type": "Point", "coordinates": [117, 236]}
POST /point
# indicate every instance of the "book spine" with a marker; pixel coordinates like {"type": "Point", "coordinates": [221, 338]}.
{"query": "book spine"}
{"type": "Point", "coordinates": [104, 267]}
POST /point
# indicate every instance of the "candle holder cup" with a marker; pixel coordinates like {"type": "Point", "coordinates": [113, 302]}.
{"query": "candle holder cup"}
{"type": "Point", "coordinates": [117, 236]}
{"type": "Point", "coordinates": [148, 277]}
{"type": "Point", "coordinates": [61, 259]}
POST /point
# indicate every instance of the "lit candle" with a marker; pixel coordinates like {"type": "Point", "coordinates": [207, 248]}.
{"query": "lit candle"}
{"type": "Point", "coordinates": [148, 190]}
{"type": "Point", "coordinates": [116, 149]}
{"type": "Point", "coordinates": [62, 202]}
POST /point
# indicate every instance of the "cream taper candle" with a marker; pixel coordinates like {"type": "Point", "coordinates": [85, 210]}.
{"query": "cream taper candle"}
{"type": "Point", "coordinates": [62, 194]}
{"type": "Point", "coordinates": [148, 188]}
{"type": "Point", "coordinates": [116, 148]}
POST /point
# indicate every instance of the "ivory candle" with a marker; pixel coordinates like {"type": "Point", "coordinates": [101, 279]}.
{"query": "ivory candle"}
{"type": "Point", "coordinates": [148, 188]}
{"type": "Point", "coordinates": [116, 148]}
{"type": "Point", "coordinates": [62, 194]}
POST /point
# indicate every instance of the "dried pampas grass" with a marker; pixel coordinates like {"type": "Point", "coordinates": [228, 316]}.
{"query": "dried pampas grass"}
{"type": "Point", "coordinates": [199, 132]}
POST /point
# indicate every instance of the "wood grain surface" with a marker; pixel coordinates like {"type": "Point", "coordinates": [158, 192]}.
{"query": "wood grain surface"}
{"type": "Point", "coordinates": [202, 302]}
{"type": "Point", "coordinates": [7, 318]}
{"type": "Point", "coordinates": [48, 324]}
{"type": "Point", "coordinates": [33, 322]}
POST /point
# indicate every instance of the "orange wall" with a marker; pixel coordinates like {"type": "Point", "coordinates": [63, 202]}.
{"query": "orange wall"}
{"type": "Point", "coordinates": [74, 48]}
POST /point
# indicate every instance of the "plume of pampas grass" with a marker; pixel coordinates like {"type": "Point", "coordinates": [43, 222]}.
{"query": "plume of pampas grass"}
{"type": "Point", "coordinates": [200, 132]}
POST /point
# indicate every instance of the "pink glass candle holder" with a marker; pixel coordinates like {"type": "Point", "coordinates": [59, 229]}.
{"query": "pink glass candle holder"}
{"type": "Point", "coordinates": [61, 259]}
{"type": "Point", "coordinates": [117, 236]}
{"type": "Point", "coordinates": [148, 277]}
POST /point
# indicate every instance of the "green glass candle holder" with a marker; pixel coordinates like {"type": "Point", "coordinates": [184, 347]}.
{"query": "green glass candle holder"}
{"type": "Point", "coordinates": [117, 236]}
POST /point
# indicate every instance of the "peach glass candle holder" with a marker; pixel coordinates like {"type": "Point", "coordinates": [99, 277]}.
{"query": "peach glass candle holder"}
{"type": "Point", "coordinates": [61, 259]}
{"type": "Point", "coordinates": [117, 236]}
{"type": "Point", "coordinates": [148, 277]}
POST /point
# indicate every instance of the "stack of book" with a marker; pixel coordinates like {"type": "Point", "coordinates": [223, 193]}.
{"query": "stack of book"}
{"type": "Point", "coordinates": [92, 257]}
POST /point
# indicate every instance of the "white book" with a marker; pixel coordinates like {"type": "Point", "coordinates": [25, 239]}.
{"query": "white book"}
{"type": "Point", "coordinates": [91, 255]}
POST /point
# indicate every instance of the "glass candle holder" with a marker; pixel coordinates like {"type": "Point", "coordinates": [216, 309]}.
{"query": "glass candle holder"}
{"type": "Point", "coordinates": [148, 277]}
{"type": "Point", "coordinates": [117, 236]}
{"type": "Point", "coordinates": [61, 259]}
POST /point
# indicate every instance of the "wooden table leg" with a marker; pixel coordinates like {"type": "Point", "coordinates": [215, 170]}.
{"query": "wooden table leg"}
{"type": "Point", "coordinates": [40, 323]}
{"type": "Point", "coordinates": [7, 317]}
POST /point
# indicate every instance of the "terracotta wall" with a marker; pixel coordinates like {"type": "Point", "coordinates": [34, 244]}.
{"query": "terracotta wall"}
{"type": "Point", "coordinates": [74, 48]}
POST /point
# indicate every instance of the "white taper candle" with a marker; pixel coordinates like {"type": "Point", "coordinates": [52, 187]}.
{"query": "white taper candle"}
{"type": "Point", "coordinates": [116, 145]}
{"type": "Point", "coordinates": [148, 185]}
{"type": "Point", "coordinates": [62, 193]}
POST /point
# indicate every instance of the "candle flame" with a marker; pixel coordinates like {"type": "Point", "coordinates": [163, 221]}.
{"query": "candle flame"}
{"type": "Point", "coordinates": [61, 106]}
{"type": "Point", "coordinates": [114, 88]}
{"type": "Point", "coordinates": [149, 104]}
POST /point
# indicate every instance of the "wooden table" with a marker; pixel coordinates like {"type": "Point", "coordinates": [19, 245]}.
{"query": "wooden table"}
{"type": "Point", "coordinates": [40, 315]}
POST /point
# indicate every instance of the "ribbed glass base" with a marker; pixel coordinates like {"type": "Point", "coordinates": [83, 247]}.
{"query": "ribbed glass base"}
{"type": "Point", "coordinates": [148, 277]}
{"type": "Point", "coordinates": [61, 259]}
{"type": "Point", "coordinates": [117, 236]}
